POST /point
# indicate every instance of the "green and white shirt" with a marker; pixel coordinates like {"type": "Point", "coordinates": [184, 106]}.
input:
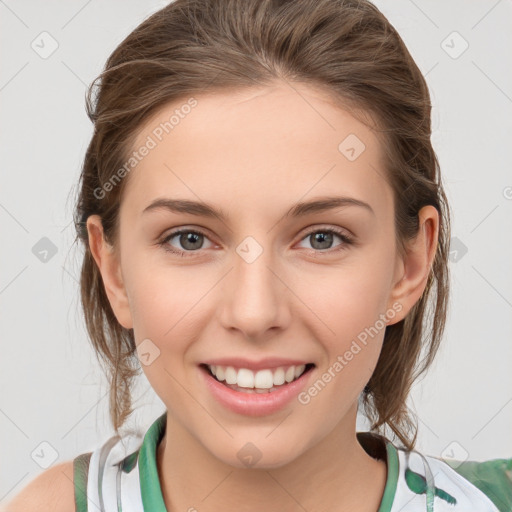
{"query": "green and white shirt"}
{"type": "Point", "coordinates": [121, 476]}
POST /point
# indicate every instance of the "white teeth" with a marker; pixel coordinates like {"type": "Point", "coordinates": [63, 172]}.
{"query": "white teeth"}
{"type": "Point", "coordinates": [245, 378]}
{"type": "Point", "coordinates": [278, 376]}
{"type": "Point", "coordinates": [230, 374]}
{"type": "Point", "coordinates": [219, 373]}
{"type": "Point", "coordinates": [299, 370]}
{"type": "Point", "coordinates": [262, 379]}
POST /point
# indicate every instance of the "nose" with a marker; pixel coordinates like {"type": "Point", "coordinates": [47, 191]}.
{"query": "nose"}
{"type": "Point", "coordinates": [254, 294]}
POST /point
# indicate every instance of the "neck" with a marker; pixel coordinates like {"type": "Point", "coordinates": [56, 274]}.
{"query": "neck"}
{"type": "Point", "coordinates": [335, 474]}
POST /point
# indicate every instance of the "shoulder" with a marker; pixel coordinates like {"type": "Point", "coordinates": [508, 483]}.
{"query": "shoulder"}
{"type": "Point", "coordinates": [485, 485]}
{"type": "Point", "coordinates": [51, 490]}
{"type": "Point", "coordinates": [417, 480]}
{"type": "Point", "coordinates": [492, 477]}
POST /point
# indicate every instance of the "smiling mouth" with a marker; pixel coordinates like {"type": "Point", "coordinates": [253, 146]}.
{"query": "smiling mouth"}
{"type": "Point", "coordinates": [246, 381]}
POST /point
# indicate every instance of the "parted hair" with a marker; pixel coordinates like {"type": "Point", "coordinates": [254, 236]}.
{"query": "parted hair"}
{"type": "Point", "coordinates": [347, 48]}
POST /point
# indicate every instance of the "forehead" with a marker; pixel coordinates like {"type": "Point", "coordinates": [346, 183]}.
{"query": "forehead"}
{"type": "Point", "coordinates": [256, 148]}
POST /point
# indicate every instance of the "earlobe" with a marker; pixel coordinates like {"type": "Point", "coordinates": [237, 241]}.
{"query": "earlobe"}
{"type": "Point", "coordinates": [110, 269]}
{"type": "Point", "coordinates": [417, 263]}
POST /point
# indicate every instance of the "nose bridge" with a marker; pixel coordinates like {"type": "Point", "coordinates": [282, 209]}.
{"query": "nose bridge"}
{"type": "Point", "coordinates": [253, 260]}
{"type": "Point", "coordinates": [253, 290]}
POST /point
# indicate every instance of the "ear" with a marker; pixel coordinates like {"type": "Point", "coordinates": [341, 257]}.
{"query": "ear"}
{"type": "Point", "coordinates": [416, 265]}
{"type": "Point", "coordinates": [110, 268]}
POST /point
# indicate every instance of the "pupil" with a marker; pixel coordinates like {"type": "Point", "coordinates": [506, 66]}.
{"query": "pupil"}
{"type": "Point", "coordinates": [189, 238]}
{"type": "Point", "coordinates": [323, 238]}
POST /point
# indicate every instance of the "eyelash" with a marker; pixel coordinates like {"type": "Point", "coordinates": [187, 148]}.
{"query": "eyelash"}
{"type": "Point", "coordinates": [347, 241]}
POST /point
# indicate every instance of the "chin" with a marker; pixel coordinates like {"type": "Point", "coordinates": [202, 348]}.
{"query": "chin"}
{"type": "Point", "coordinates": [252, 456]}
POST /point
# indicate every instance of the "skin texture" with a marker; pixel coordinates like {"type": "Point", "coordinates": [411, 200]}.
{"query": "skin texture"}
{"type": "Point", "coordinates": [254, 154]}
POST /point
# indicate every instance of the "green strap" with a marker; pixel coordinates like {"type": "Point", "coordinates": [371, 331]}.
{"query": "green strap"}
{"type": "Point", "coordinates": [392, 478]}
{"type": "Point", "coordinates": [492, 477]}
{"type": "Point", "coordinates": [80, 474]}
{"type": "Point", "coordinates": [151, 492]}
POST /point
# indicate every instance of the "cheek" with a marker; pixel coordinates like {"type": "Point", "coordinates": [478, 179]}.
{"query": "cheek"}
{"type": "Point", "coordinates": [165, 324]}
{"type": "Point", "coordinates": [351, 344]}
{"type": "Point", "coordinates": [350, 300]}
{"type": "Point", "coordinates": [351, 305]}
{"type": "Point", "coordinates": [164, 299]}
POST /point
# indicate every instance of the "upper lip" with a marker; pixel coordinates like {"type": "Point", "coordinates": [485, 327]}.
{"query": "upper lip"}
{"type": "Point", "coordinates": [268, 362]}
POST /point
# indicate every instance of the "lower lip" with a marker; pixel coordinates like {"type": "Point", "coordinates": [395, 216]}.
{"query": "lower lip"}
{"type": "Point", "coordinates": [254, 404]}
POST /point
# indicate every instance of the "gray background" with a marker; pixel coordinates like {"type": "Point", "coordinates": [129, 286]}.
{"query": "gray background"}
{"type": "Point", "coordinates": [52, 390]}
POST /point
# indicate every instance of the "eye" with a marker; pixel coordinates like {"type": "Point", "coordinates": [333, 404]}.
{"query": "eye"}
{"type": "Point", "coordinates": [192, 240]}
{"type": "Point", "coordinates": [189, 239]}
{"type": "Point", "coordinates": [322, 239]}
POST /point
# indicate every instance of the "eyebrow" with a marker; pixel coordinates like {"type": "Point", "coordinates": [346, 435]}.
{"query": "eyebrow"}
{"type": "Point", "coordinates": [202, 209]}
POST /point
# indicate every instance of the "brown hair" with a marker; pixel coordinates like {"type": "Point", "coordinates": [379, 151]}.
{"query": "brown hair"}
{"type": "Point", "coordinates": [346, 47]}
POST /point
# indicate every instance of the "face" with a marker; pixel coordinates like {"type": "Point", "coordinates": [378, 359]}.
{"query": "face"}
{"type": "Point", "coordinates": [265, 281]}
